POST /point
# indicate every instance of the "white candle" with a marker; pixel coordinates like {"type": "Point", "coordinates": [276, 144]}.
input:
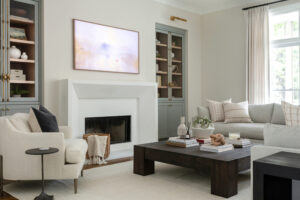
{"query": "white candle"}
{"type": "Point", "coordinates": [234, 136]}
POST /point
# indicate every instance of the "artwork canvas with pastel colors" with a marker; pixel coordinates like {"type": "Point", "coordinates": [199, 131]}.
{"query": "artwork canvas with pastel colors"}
{"type": "Point", "coordinates": [104, 48]}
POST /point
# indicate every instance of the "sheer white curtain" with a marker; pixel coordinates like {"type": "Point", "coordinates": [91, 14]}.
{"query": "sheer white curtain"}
{"type": "Point", "coordinates": [257, 54]}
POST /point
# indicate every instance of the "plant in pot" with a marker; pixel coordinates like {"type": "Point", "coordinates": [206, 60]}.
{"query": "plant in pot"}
{"type": "Point", "coordinates": [18, 92]}
{"type": "Point", "coordinates": [202, 128]}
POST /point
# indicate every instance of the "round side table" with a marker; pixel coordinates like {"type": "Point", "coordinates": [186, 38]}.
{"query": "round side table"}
{"type": "Point", "coordinates": [42, 152]}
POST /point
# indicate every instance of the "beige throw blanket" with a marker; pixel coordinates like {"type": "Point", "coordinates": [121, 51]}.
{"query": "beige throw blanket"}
{"type": "Point", "coordinates": [96, 149]}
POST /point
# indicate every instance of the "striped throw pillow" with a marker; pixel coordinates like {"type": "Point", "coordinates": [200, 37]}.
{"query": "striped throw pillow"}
{"type": "Point", "coordinates": [291, 113]}
{"type": "Point", "coordinates": [236, 112]}
{"type": "Point", "coordinates": [216, 110]}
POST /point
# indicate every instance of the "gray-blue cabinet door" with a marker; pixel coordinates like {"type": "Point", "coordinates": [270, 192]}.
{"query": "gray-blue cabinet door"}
{"type": "Point", "coordinates": [13, 109]}
{"type": "Point", "coordinates": [162, 121]}
{"type": "Point", "coordinates": [175, 111]}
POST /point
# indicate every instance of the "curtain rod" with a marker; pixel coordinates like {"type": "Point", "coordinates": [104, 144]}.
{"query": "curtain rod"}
{"type": "Point", "coordinates": [265, 4]}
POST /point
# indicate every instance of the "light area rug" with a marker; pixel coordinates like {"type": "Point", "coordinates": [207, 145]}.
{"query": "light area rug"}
{"type": "Point", "coordinates": [117, 182]}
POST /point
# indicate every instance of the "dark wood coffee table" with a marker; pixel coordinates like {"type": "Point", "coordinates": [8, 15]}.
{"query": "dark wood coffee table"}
{"type": "Point", "coordinates": [223, 167]}
{"type": "Point", "coordinates": [273, 176]}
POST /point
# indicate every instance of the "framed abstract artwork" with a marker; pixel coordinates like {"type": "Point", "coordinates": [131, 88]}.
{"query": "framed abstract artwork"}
{"type": "Point", "coordinates": [104, 48]}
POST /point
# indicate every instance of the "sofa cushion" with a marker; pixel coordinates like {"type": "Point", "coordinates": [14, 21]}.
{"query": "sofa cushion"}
{"type": "Point", "coordinates": [20, 122]}
{"type": "Point", "coordinates": [46, 119]}
{"type": "Point", "coordinates": [203, 111]}
{"type": "Point", "coordinates": [282, 136]}
{"type": "Point", "coordinates": [261, 113]}
{"type": "Point", "coordinates": [216, 110]}
{"type": "Point", "coordinates": [291, 114]}
{"type": "Point", "coordinates": [278, 115]}
{"type": "Point", "coordinates": [247, 130]}
{"type": "Point", "coordinates": [75, 150]}
{"type": "Point", "coordinates": [236, 112]}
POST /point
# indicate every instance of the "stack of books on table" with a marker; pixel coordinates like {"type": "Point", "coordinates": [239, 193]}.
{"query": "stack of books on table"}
{"type": "Point", "coordinates": [216, 149]}
{"type": "Point", "coordinates": [239, 143]}
{"type": "Point", "coordinates": [184, 143]}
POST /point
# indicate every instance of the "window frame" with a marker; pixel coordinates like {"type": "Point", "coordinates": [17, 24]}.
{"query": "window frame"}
{"type": "Point", "coordinates": [282, 43]}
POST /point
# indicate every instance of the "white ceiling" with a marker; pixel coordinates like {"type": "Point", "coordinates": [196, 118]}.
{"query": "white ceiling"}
{"type": "Point", "coordinates": [207, 6]}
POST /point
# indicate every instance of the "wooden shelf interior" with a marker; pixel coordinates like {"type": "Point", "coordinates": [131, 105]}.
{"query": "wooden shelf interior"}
{"type": "Point", "coordinates": [177, 93]}
{"type": "Point", "coordinates": [27, 87]}
{"type": "Point", "coordinates": [161, 46]}
{"type": "Point", "coordinates": [163, 92]}
{"type": "Point", "coordinates": [22, 10]}
{"type": "Point", "coordinates": [22, 15]}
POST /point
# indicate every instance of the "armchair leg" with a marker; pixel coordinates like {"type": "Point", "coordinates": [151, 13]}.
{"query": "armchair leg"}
{"type": "Point", "coordinates": [81, 173]}
{"type": "Point", "coordinates": [75, 185]}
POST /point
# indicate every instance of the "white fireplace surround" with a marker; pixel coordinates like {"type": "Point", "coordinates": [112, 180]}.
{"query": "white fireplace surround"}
{"type": "Point", "coordinates": [80, 99]}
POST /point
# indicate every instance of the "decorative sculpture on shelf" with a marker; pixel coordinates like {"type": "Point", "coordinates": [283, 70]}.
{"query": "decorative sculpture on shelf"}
{"type": "Point", "coordinates": [217, 139]}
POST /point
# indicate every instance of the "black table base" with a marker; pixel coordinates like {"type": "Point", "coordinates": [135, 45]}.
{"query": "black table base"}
{"type": "Point", "coordinates": [44, 196]}
{"type": "Point", "coordinates": [37, 151]}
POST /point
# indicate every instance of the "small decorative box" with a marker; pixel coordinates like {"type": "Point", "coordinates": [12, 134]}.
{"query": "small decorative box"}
{"type": "Point", "coordinates": [18, 77]}
{"type": "Point", "coordinates": [16, 72]}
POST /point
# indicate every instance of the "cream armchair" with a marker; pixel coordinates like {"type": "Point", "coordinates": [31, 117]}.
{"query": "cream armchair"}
{"type": "Point", "coordinates": [16, 137]}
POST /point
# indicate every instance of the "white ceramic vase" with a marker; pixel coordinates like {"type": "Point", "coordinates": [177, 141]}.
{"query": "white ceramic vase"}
{"type": "Point", "coordinates": [181, 130]}
{"type": "Point", "coordinates": [24, 56]}
{"type": "Point", "coordinates": [14, 52]}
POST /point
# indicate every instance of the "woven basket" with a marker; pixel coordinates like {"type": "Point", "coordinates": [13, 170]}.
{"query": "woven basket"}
{"type": "Point", "coordinates": [107, 151]}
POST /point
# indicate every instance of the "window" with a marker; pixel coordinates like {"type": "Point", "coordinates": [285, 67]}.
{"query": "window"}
{"type": "Point", "coordinates": [284, 73]}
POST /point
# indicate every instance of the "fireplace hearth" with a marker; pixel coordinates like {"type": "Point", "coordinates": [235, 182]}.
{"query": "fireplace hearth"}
{"type": "Point", "coordinates": [119, 127]}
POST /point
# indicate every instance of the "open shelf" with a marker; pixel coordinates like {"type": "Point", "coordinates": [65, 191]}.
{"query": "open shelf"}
{"type": "Point", "coordinates": [176, 74]}
{"type": "Point", "coordinates": [162, 73]}
{"type": "Point", "coordinates": [162, 59]}
{"type": "Point", "coordinates": [21, 60]}
{"type": "Point", "coordinates": [20, 20]}
{"type": "Point", "coordinates": [161, 45]}
{"type": "Point", "coordinates": [162, 87]}
{"type": "Point", "coordinates": [176, 47]}
{"type": "Point", "coordinates": [21, 41]}
{"type": "Point", "coordinates": [176, 61]}
{"type": "Point", "coordinates": [21, 82]}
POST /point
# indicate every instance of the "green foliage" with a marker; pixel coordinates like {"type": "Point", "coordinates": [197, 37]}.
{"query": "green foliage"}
{"type": "Point", "coordinates": [203, 121]}
{"type": "Point", "coordinates": [16, 90]}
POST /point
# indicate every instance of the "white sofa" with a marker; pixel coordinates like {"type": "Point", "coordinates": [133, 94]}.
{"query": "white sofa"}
{"type": "Point", "coordinates": [259, 114]}
{"type": "Point", "coordinates": [16, 137]}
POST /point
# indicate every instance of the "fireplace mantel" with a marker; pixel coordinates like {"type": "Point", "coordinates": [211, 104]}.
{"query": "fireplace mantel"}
{"type": "Point", "coordinates": [79, 99]}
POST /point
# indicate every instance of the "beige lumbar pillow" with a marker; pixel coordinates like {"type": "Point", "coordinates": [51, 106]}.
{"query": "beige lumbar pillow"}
{"type": "Point", "coordinates": [216, 110]}
{"type": "Point", "coordinates": [33, 122]}
{"type": "Point", "coordinates": [291, 113]}
{"type": "Point", "coordinates": [236, 112]}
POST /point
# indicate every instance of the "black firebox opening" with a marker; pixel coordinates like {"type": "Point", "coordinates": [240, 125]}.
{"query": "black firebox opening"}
{"type": "Point", "coordinates": [119, 127]}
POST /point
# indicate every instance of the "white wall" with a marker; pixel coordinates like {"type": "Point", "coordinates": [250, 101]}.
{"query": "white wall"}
{"type": "Point", "coordinates": [139, 15]}
{"type": "Point", "coordinates": [223, 55]}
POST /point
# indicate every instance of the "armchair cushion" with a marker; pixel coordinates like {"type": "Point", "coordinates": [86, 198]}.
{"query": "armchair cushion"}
{"type": "Point", "coordinates": [75, 150]}
{"type": "Point", "coordinates": [20, 122]}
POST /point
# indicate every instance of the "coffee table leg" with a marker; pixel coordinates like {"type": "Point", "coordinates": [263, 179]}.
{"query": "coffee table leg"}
{"type": "Point", "coordinates": [141, 165]}
{"type": "Point", "coordinates": [224, 178]}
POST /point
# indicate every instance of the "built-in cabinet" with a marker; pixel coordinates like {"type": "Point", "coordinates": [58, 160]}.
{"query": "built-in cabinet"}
{"type": "Point", "coordinates": [20, 63]}
{"type": "Point", "coordinates": [170, 78]}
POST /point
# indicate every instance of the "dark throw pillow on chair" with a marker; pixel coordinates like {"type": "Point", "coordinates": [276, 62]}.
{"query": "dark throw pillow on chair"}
{"type": "Point", "coordinates": [46, 120]}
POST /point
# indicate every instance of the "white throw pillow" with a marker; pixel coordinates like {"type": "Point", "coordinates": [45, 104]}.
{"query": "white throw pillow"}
{"type": "Point", "coordinates": [282, 136]}
{"type": "Point", "coordinates": [216, 110]}
{"type": "Point", "coordinates": [33, 122]}
{"type": "Point", "coordinates": [291, 113]}
{"type": "Point", "coordinates": [236, 112]}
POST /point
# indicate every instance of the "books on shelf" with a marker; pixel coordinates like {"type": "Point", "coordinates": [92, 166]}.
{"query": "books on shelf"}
{"type": "Point", "coordinates": [239, 143]}
{"type": "Point", "coordinates": [184, 143]}
{"type": "Point", "coordinates": [216, 149]}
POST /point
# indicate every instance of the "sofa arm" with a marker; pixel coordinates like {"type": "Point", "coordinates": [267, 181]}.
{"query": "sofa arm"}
{"type": "Point", "coordinates": [67, 131]}
{"type": "Point", "coordinates": [16, 143]}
